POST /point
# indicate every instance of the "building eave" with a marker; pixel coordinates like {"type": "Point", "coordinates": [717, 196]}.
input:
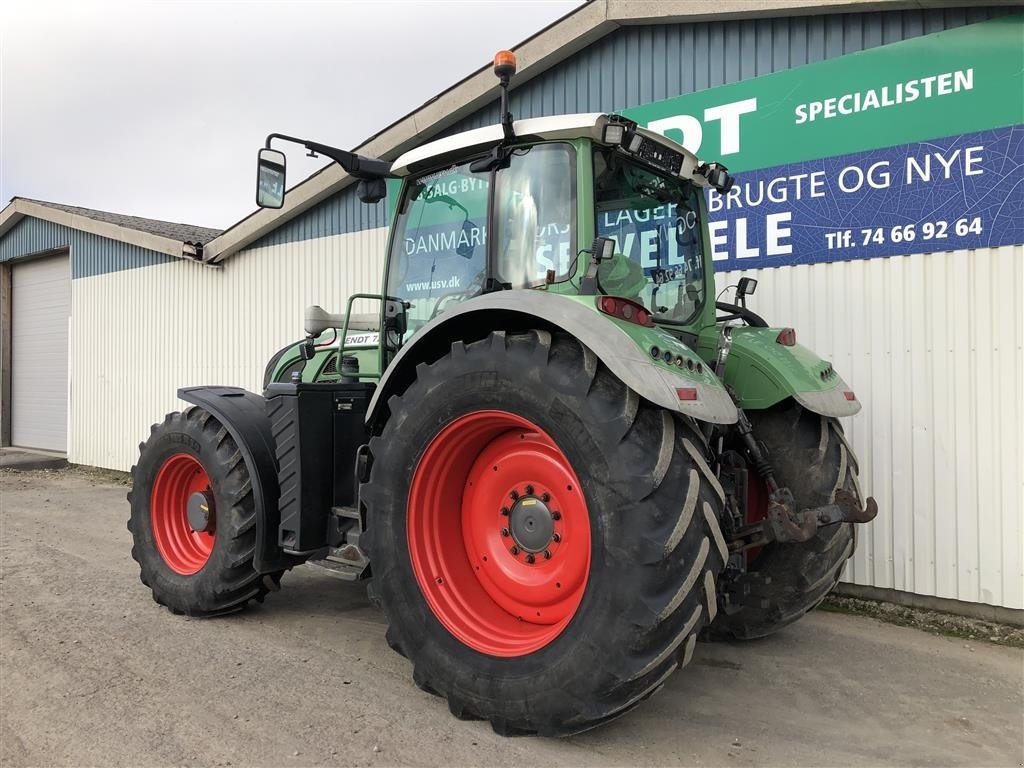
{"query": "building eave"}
{"type": "Point", "coordinates": [19, 208]}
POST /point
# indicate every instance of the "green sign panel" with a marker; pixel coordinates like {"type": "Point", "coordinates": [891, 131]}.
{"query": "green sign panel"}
{"type": "Point", "coordinates": [955, 82]}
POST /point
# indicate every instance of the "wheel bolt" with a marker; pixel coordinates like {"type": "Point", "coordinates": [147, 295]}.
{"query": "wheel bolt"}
{"type": "Point", "coordinates": [504, 531]}
{"type": "Point", "coordinates": [529, 490]}
{"type": "Point", "coordinates": [556, 515]}
{"type": "Point", "coordinates": [530, 559]}
{"type": "Point", "coordinates": [514, 495]}
{"type": "Point", "coordinates": [556, 537]}
{"type": "Point", "coordinates": [545, 497]}
{"type": "Point", "coordinates": [547, 555]}
{"type": "Point", "coordinates": [504, 511]}
{"type": "Point", "coordinates": [514, 550]}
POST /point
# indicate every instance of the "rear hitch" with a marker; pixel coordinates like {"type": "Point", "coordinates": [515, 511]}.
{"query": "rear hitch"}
{"type": "Point", "coordinates": [845, 509]}
{"type": "Point", "coordinates": [788, 526]}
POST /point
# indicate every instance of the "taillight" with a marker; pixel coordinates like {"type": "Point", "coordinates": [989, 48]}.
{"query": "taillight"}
{"type": "Point", "coordinates": [786, 337]}
{"type": "Point", "coordinates": [687, 393]}
{"type": "Point", "coordinates": [625, 309]}
{"type": "Point", "coordinates": [849, 395]}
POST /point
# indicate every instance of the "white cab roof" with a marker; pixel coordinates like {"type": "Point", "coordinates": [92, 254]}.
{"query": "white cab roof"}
{"type": "Point", "coordinates": [586, 125]}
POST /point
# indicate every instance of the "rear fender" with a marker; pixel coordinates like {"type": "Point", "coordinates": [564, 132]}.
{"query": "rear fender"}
{"type": "Point", "coordinates": [624, 348]}
{"type": "Point", "coordinates": [243, 414]}
{"type": "Point", "coordinates": [762, 372]}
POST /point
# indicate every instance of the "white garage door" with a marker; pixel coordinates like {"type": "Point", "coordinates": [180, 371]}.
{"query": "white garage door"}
{"type": "Point", "coordinates": [40, 306]}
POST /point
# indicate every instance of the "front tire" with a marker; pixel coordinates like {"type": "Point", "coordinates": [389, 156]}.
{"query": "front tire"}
{"type": "Point", "coordinates": [586, 631]}
{"type": "Point", "coordinates": [193, 519]}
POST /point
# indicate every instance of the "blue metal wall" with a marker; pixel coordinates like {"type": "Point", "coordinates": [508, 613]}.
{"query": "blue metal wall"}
{"type": "Point", "coordinates": [90, 254]}
{"type": "Point", "coordinates": [637, 65]}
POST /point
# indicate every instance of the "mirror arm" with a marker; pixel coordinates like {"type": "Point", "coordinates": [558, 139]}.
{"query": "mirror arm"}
{"type": "Point", "coordinates": [363, 168]}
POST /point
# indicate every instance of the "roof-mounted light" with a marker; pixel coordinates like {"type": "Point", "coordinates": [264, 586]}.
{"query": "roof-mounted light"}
{"type": "Point", "coordinates": [613, 133]}
{"type": "Point", "coordinates": [504, 64]}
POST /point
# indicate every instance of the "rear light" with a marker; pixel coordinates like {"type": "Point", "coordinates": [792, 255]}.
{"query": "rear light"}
{"type": "Point", "coordinates": [786, 337]}
{"type": "Point", "coordinates": [687, 393]}
{"type": "Point", "coordinates": [849, 395]}
{"type": "Point", "coordinates": [625, 309]}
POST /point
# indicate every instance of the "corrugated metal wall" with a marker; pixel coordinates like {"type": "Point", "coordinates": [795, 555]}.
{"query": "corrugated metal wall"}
{"type": "Point", "coordinates": [638, 65]}
{"type": "Point", "coordinates": [183, 324]}
{"type": "Point", "coordinates": [928, 344]}
{"type": "Point", "coordinates": [90, 254]}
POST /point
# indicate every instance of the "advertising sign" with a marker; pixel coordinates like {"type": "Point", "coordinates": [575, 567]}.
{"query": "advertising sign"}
{"type": "Point", "coordinates": [907, 148]}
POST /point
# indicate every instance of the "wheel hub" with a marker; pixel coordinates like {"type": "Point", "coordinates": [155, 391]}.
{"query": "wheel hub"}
{"type": "Point", "coordinates": [531, 524]}
{"type": "Point", "coordinates": [199, 511]}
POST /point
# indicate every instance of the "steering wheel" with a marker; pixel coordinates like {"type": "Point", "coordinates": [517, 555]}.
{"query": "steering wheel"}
{"type": "Point", "coordinates": [471, 290]}
{"type": "Point", "coordinates": [736, 312]}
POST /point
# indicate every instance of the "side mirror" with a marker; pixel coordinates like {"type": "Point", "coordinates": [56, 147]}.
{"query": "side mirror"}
{"type": "Point", "coordinates": [270, 178]}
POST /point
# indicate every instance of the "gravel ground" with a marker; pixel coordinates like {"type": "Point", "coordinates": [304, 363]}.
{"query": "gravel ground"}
{"type": "Point", "coordinates": [93, 672]}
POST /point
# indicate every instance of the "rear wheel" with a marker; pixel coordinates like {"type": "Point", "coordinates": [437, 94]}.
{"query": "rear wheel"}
{"type": "Point", "coordinates": [783, 581]}
{"type": "Point", "coordinates": [193, 519]}
{"type": "Point", "coordinates": [527, 539]}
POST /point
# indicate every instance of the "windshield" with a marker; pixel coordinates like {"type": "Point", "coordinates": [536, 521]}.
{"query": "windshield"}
{"type": "Point", "coordinates": [439, 251]}
{"type": "Point", "coordinates": [655, 222]}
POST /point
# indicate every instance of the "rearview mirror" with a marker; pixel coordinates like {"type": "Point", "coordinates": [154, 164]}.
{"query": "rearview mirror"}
{"type": "Point", "coordinates": [466, 245]}
{"type": "Point", "coordinates": [270, 178]}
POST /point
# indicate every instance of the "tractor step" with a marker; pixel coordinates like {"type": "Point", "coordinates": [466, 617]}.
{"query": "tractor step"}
{"type": "Point", "coordinates": [347, 562]}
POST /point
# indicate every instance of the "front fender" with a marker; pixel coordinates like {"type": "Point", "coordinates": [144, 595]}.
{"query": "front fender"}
{"type": "Point", "coordinates": [244, 415]}
{"type": "Point", "coordinates": [624, 348]}
{"type": "Point", "coordinates": [761, 372]}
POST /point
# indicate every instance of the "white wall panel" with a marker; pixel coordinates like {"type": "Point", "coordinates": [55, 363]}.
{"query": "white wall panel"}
{"type": "Point", "coordinates": [139, 334]}
{"type": "Point", "coordinates": [932, 345]}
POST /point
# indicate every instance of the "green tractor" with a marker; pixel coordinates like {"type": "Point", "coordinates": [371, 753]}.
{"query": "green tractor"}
{"type": "Point", "coordinates": [553, 456]}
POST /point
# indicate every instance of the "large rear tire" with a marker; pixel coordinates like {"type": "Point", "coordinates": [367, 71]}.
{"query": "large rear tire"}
{"type": "Point", "coordinates": [543, 542]}
{"type": "Point", "coordinates": [783, 581]}
{"type": "Point", "coordinates": [193, 520]}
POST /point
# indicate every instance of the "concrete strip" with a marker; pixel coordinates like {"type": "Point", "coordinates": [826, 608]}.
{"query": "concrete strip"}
{"type": "Point", "coordinates": [25, 460]}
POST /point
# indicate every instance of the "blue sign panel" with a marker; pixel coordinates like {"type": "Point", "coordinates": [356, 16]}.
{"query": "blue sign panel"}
{"type": "Point", "coordinates": [947, 194]}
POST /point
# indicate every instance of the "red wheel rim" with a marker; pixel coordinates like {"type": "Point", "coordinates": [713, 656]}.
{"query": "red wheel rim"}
{"type": "Point", "coordinates": [183, 549]}
{"type": "Point", "coordinates": [758, 497]}
{"type": "Point", "coordinates": [489, 491]}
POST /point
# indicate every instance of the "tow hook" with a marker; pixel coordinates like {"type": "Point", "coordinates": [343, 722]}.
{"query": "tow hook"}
{"type": "Point", "coordinates": [788, 526]}
{"type": "Point", "coordinates": [846, 509]}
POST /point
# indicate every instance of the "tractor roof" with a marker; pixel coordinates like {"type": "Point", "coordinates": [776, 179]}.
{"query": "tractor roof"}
{"type": "Point", "coordinates": [586, 125]}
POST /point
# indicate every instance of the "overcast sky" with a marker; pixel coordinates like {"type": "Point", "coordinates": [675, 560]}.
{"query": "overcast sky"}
{"type": "Point", "coordinates": [157, 108]}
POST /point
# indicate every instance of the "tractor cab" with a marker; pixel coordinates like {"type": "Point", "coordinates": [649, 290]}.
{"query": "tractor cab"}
{"type": "Point", "coordinates": [582, 205]}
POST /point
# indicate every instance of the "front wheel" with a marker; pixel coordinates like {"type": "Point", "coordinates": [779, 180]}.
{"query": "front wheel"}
{"type": "Point", "coordinates": [193, 519]}
{"type": "Point", "coordinates": [529, 546]}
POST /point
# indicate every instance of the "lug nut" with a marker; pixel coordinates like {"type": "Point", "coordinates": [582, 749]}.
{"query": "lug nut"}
{"type": "Point", "coordinates": [504, 511]}
{"type": "Point", "coordinates": [556, 537]}
{"type": "Point", "coordinates": [529, 490]}
{"type": "Point", "coordinates": [530, 559]}
{"type": "Point", "coordinates": [514, 495]}
{"type": "Point", "coordinates": [504, 531]}
{"type": "Point", "coordinates": [547, 555]}
{"type": "Point", "coordinates": [556, 515]}
{"type": "Point", "coordinates": [514, 550]}
{"type": "Point", "coordinates": [545, 497]}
